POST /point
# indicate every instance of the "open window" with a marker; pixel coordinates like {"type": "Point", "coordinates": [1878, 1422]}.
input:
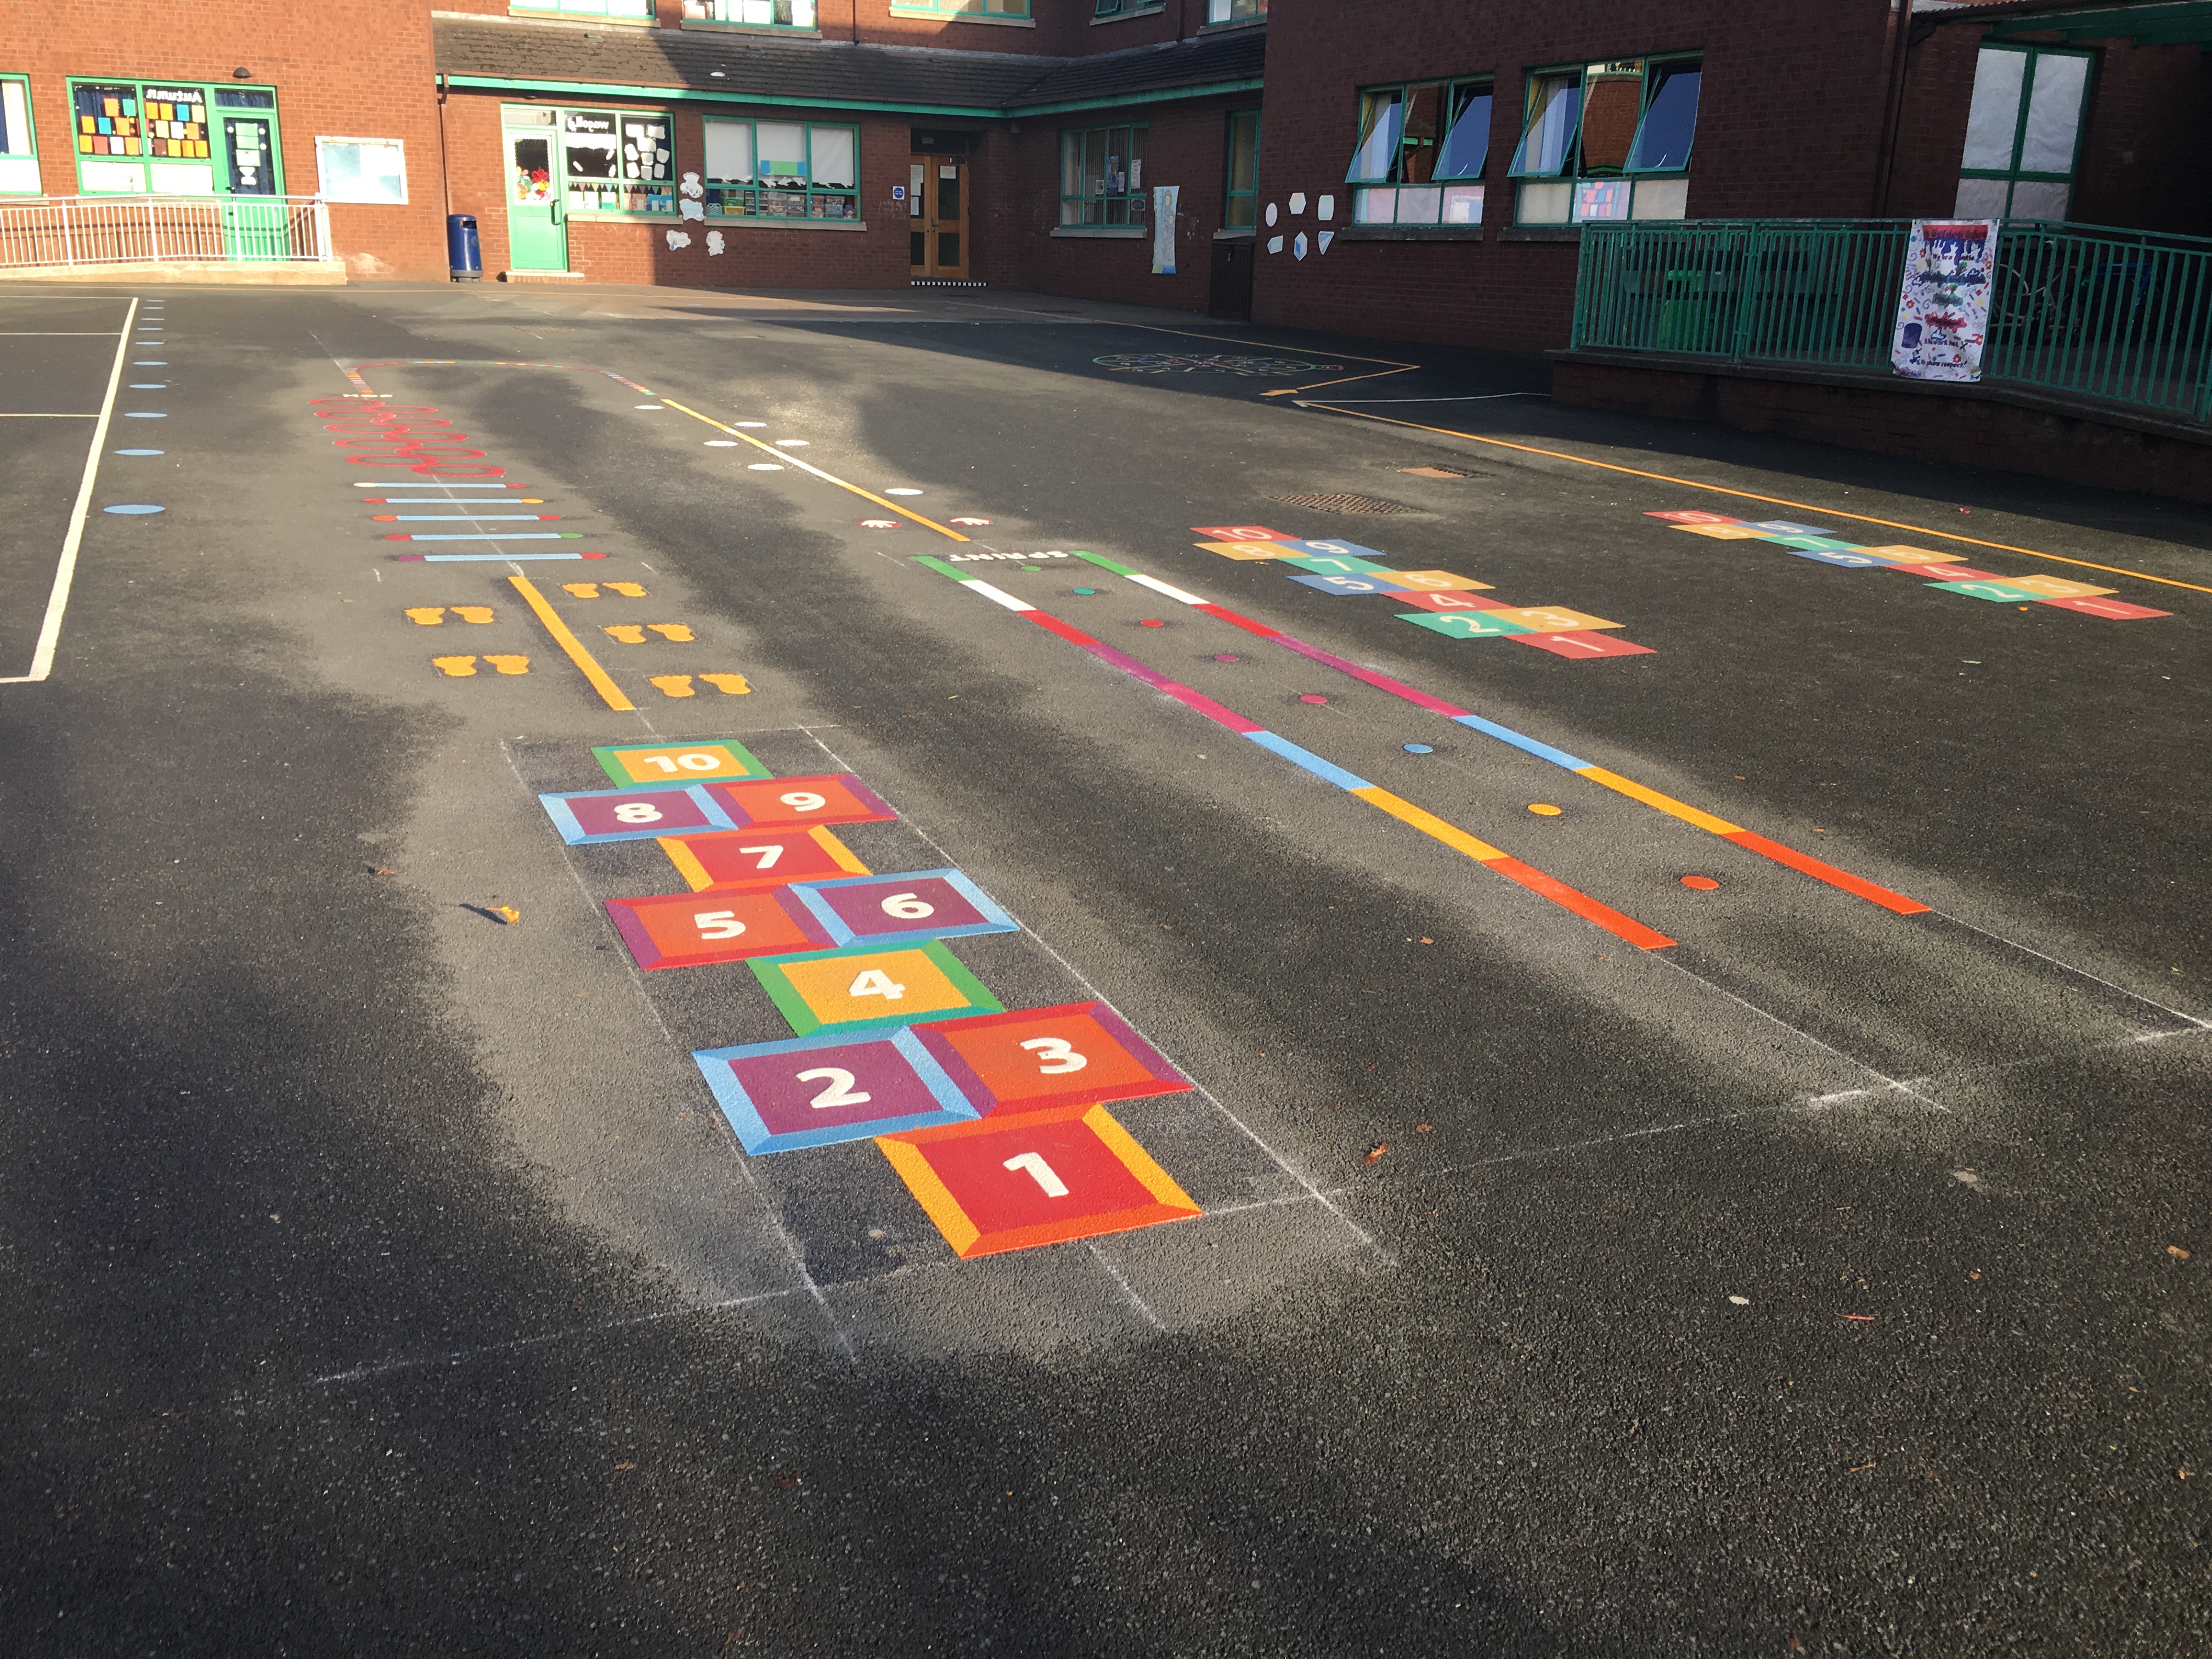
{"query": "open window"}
{"type": "Point", "coordinates": [1608, 141]}
{"type": "Point", "coordinates": [1422, 150]}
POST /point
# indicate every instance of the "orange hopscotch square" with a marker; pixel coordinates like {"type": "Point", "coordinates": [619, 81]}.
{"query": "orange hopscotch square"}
{"type": "Point", "coordinates": [1553, 619]}
{"type": "Point", "coordinates": [1032, 1178]}
{"type": "Point", "coordinates": [1251, 550]}
{"type": "Point", "coordinates": [1899, 553]}
{"type": "Point", "coordinates": [795, 803]}
{"type": "Point", "coordinates": [1451, 600]}
{"type": "Point", "coordinates": [1729, 531]}
{"type": "Point", "coordinates": [1240, 532]}
{"type": "Point", "coordinates": [1077, 1053]}
{"type": "Point", "coordinates": [733, 859]}
{"type": "Point", "coordinates": [689, 930]}
{"type": "Point", "coordinates": [1433, 581]}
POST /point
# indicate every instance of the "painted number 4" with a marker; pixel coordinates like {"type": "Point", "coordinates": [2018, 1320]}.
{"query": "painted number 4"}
{"type": "Point", "coordinates": [875, 983]}
{"type": "Point", "coordinates": [1056, 1056]}
{"type": "Point", "coordinates": [1039, 1172]}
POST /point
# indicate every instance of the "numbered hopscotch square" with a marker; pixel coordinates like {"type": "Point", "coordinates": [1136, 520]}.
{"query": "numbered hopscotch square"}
{"type": "Point", "coordinates": [1692, 515]}
{"type": "Point", "coordinates": [1552, 619]}
{"type": "Point", "coordinates": [690, 930]}
{"type": "Point", "coordinates": [1335, 549]}
{"type": "Point", "coordinates": [916, 904]}
{"type": "Point", "coordinates": [1899, 553]}
{"type": "Point", "coordinates": [1350, 586]}
{"type": "Point", "coordinates": [846, 990]}
{"type": "Point", "coordinates": [1581, 646]}
{"type": "Point", "coordinates": [1729, 531]}
{"type": "Point", "coordinates": [1450, 601]}
{"type": "Point", "coordinates": [739, 858]}
{"type": "Point", "coordinates": [1817, 544]}
{"type": "Point", "coordinates": [1248, 550]}
{"type": "Point", "coordinates": [2058, 588]}
{"type": "Point", "coordinates": [586, 815]}
{"type": "Point", "coordinates": [1996, 593]}
{"type": "Point", "coordinates": [1077, 1053]}
{"type": "Point", "coordinates": [795, 803]}
{"type": "Point", "coordinates": [1344, 564]}
{"type": "Point", "coordinates": [1433, 581]}
{"type": "Point", "coordinates": [1943, 570]}
{"type": "Point", "coordinates": [709, 762]}
{"type": "Point", "coordinates": [1784, 527]}
{"type": "Point", "coordinates": [2113, 610]}
{"type": "Point", "coordinates": [1850, 558]}
{"type": "Point", "coordinates": [1239, 532]}
{"type": "Point", "coordinates": [816, 1092]}
{"type": "Point", "coordinates": [1465, 625]}
{"type": "Point", "coordinates": [1032, 1178]}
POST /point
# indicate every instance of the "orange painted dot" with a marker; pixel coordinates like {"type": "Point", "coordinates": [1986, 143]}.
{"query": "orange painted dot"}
{"type": "Point", "coordinates": [1703, 883]}
{"type": "Point", "coordinates": [1544, 809]}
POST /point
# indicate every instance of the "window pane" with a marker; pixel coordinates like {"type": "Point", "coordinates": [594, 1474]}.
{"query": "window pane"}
{"type": "Point", "coordinates": [2037, 198]}
{"type": "Point", "coordinates": [1611, 103]}
{"type": "Point", "coordinates": [1381, 115]}
{"type": "Point", "coordinates": [647, 150]}
{"type": "Point", "coordinates": [1549, 136]}
{"type": "Point", "coordinates": [1981, 198]}
{"type": "Point", "coordinates": [14, 120]}
{"type": "Point", "coordinates": [780, 148]}
{"type": "Point", "coordinates": [2054, 115]}
{"type": "Point", "coordinates": [1467, 146]}
{"type": "Point", "coordinates": [1418, 206]}
{"type": "Point", "coordinates": [1994, 112]}
{"type": "Point", "coordinates": [1070, 164]}
{"type": "Point", "coordinates": [1546, 204]}
{"type": "Point", "coordinates": [1462, 204]}
{"type": "Point", "coordinates": [729, 153]}
{"type": "Point", "coordinates": [834, 161]}
{"type": "Point", "coordinates": [1243, 154]}
{"type": "Point", "coordinates": [1417, 150]}
{"type": "Point", "coordinates": [1670, 121]}
{"type": "Point", "coordinates": [1374, 207]}
{"type": "Point", "coordinates": [1136, 183]}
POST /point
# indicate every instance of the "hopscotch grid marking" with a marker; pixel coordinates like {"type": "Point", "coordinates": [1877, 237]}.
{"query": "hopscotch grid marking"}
{"type": "Point", "coordinates": [1127, 1289]}
{"type": "Point", "coordinates": [2068, 967]}
{"type": "Point", "coordinates": [1204, 1093]}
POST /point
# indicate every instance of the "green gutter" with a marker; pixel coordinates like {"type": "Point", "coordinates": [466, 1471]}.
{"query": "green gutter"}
{"type": "Point", "coordinates": [589, 89]}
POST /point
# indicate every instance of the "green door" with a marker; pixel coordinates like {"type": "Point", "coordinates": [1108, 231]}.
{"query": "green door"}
{"type": "Point", "coordinates": [536, 234]}
{"type": "Point", "coordinates": [256, 224]}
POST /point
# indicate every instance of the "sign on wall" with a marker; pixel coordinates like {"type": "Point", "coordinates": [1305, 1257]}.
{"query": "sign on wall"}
{"type": "Point", "coordinates": [1943, 303]}
{"type": "Point", "coordinates": [1164, 198]}
{"type": "Point", "coordinates": [363, 170]}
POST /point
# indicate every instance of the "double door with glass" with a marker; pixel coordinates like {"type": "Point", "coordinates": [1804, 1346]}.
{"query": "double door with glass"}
{"type": "Point", "coordinates": [936, 207]}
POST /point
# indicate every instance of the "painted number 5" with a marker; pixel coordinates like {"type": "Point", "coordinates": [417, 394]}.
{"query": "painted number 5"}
{"type": "Point", "coordinates": [1055, 1056]}
{"type": "Point", "coordinates": [840, 1092]}
{"type": "Point", "coordinates": [1039, 1172]}
{"type": "Point", "coordinates": [717, 924]}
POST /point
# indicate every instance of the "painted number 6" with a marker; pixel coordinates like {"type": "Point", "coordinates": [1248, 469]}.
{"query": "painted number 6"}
{"type": "Point", "coordinates": [1056, 1056]}
{"type": "Point", "coordinates": [907, 907]}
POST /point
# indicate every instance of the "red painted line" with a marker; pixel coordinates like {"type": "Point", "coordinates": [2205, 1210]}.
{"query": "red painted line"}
{"type": "Point", "coordinates": [1598, 915]}
{"type": "Point", "coordinates": [1235, 620]}
{"type": "Point", "coordinates": [1828, 872]}
{"type": "Point", "coordinates": [1395, 688]}
{"type": "Point", "coordinates": [1129, 664]}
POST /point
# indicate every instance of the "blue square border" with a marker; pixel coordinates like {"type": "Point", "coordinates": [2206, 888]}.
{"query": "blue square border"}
{"type": "Point", "coordinates": [564, 820]}
{"type": "Point", "coordinates": [843, 933]}
{"type": "Point", "coordinates": [758, 1141]}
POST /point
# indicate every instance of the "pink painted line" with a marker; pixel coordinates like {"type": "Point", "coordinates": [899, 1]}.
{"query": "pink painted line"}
{"type": "Point", "coordinates": [1384, 682]}
{"type": "Point", "coordinates": [1129, 664]}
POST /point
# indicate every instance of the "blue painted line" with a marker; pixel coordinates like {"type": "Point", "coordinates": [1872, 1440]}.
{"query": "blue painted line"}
{"type": "Point", "coordinates": [143, 415]}
{"type": "Point", "coordinates": [149, 385]}
{"type": "Point", "coordinates": [1507, 734]}
{"type": "Point", "coordinates": [496, 536]}
{"type": "Point", "coordinates": [139, 452]}
{"type": "Point", "coordinates": [135, 506]}
{"type": "Point", "coordinates": [496, 558]}
{"type": "Point", "coordinates": [149, 362]}
{"type": "Point", "coordinates": [1306, 757]}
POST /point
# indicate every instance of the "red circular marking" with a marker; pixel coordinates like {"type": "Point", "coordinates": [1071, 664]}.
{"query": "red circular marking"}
{"type": "Point", "coordinates": [1703, 883]}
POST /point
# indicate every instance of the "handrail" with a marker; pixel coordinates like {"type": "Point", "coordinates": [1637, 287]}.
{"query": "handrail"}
{"type": "Point", "coordinates": [68, 231]}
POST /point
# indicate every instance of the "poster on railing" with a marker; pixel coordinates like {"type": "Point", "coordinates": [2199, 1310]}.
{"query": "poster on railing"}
{"type": "Point", "coordinates": [1943, 303]}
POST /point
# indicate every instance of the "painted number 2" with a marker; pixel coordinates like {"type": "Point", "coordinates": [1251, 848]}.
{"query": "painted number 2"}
{"type": "Point", "coordinates": [840, 1092]}
{"type": "Point", "coordinates": [1039, 1172]}
{"type": "Point", "coordinates": [687, 762]}
{"type": "Point", "coordinates": [875, 983]}
{"type": "Point", "coordinates": [1056, 1056]}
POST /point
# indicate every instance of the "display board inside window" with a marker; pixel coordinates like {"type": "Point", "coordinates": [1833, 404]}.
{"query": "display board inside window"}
{"type": "Point", "coordinates": [145, 137]}
{"type": "Point", "coordinates": [782, 170]}
{"type": "Point", "coordinates": [974, 8]}
{"type": "Point", "coordinates": [2023, 133]}
{"type": "Point", "coordinates": [1101, 176]}
{"type": "Point", "coordinates": [1608, 141]}
{"type": "Point", "coordinates": [1421, 154]}
{"type": "Point", "coordinates": [618, 161]}
{"type": "Point", "coordinates": [754, 14]}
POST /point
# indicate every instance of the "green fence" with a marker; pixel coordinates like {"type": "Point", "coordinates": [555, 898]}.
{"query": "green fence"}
{"type": "Point", "coordinates": [2120, 315]}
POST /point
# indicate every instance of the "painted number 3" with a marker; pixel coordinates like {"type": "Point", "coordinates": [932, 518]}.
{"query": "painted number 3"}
{"type": "Point", "coordinates": [1056, 1056]}
{"type": "Point", "coordinates": [637, 811]}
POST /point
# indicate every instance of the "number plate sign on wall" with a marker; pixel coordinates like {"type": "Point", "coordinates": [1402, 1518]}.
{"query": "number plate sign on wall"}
{"type": "Point", "coordinates": [1078, 1053]}
{"type": "Point", "coordinates": [815, 1091]}
{"type": "Point", "coordinates": [676, 762]}
{"type": "Point", "coordinates": [584, 817]}
{"type": "Point", "coordinates": [917, 904]}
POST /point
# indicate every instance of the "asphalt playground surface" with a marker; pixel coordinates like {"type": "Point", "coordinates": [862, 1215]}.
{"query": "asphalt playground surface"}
{"type": "Point", "coordinates": [1806, 1257]}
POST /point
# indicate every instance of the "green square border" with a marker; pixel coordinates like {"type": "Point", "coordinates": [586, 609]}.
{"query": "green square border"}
{"type": "Point", "coordinates": [800, 1017]}
{"type": "Point", "coordinates": [1428, 619]}
{"type": "Point", "coordinates": [2011, 596]}
{"type": "Point", "coordinates": [606, 754]}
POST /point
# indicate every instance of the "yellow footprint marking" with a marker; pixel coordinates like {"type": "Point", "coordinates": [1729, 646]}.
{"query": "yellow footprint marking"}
{"type": "Point", "coordinates": [679, 632]}
{"type": "Point", "coordinates": [628, 590]}
{"type": "Point", "coordinates": [733, 684]}
{"type": "Point", "coordinates": [581, 590]}
{"type": "Point", "coordinates": [675, 685]}
{"type": "Point", "coordinates": [454, 668]}
{"type": "Point", "coordinates": [510, 665]}
{"type": "Point", "coordinates": [473, 613]}
{"type": "Point", "coordinates": [427, 615]}
{"type": "Point", "coordinates": [628, 633]}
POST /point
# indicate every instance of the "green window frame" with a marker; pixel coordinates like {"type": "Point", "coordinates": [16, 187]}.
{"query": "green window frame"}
{"type": "Point", "coordinates": [1102, 175]}
{"type": "Point", "coordinates": [1423, 149]}
{"type": "Point", "coordinates": [618, 160]}
{"type": "Point", "coordinates": [641, 10]}
{"type": "Point", "coordinates": [1240, 194]}
{"type": "Point", "coordinates": [762, 13]}
{"type": "Point", "coordinates": [1218, 12]}
{"type": "Point", "coordinates": [973, 8]}
{"type": "Point", "coordinates": [18, 138]}
{"type": "Point", "coordinates": [781, 169]}
{"type": "Point", "coordinates": [2024, 132]}
{"type": "Point", "coordinates": [1608, 141]}
{"type": "Point", "coordinates": [175, 138]}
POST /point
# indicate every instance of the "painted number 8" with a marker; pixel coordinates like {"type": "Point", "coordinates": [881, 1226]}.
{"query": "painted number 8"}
{"type": "Point", "coordinates": [799, 801]}
{"type": "Point", "coordinates": [637, 811]}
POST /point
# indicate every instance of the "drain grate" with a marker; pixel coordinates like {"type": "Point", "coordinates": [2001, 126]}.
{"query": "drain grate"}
{"type": "Point", "coordinates": [1345, 502]}
{"type": "Point", "coordinates": [1435, 472]}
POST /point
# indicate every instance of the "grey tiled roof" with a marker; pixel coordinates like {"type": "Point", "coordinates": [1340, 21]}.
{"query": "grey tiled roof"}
{"type": "Point", "coordinates": [841, 70]}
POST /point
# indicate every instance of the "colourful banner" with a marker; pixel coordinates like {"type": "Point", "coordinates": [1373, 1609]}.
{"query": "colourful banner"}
{"type": "Point", "coordinates": [1943, 303]}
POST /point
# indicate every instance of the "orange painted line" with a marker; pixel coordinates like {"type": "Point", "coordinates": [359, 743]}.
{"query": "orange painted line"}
{"type": "Point", "coordinates": [1598, 915]}
{"type": "Point", "coordinates": [602, 681]}
{"type": "Point", "coordinates": [1753, 495]}
{"type": "Point", "coordinates": [1827, 872]}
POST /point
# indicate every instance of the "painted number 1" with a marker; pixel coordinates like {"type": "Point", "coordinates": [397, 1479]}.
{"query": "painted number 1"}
{"type": "Point", "coordinates": [1039, 1172]}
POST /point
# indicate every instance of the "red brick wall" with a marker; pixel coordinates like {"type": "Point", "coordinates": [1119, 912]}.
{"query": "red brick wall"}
{"type": "Point", "coordinates": [326, 84]}
{"type": "Point", "coordinates": [1059, 28]}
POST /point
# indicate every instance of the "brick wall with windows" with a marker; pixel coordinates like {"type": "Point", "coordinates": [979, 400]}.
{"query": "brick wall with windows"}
{"type": "Point", "coordinates": [324, 85]}
{"type": "Point", "coordinates": [1059, 28]}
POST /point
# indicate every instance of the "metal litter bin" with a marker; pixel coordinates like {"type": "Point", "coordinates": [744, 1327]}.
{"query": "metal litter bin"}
{"type": "Point", "coordinates": [463, 252]}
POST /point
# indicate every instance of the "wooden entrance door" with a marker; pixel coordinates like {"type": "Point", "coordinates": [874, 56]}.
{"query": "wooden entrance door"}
{"type": "Point", "coordinates": [937, 206]}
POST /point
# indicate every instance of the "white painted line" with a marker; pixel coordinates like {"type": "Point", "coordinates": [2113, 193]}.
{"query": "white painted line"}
{"type": "Point", "coordinates": [997, 596]}
{"type": "Point", "coordinates": [51, 414]}
{"type": "Point", "coordinates": [1159, 587]}
{"type": "Point", "coordinates": [50, 631]}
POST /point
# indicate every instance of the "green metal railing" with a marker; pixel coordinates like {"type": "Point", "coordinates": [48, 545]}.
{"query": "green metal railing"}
{"type": "Point", "coordinates": [2118, 315]}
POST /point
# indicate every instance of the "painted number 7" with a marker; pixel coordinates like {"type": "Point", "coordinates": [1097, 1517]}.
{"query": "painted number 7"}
{"type": "Point", "coordinates": [1039, 1172]}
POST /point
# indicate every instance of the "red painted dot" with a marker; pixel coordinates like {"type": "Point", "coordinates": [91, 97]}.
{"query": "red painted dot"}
{"type": "Point", "coordinates": [1311, 697]}
{"type": "Point", "coordinates": [1703, 883]}
{"type": "Point", "coordinates": [1149, 622]}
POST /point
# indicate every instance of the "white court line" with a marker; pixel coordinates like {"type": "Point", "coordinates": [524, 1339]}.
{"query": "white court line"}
{"type": "Point", "coordinates": [50, 631]}
{"type": "Point", "coordinates": [60, 333]}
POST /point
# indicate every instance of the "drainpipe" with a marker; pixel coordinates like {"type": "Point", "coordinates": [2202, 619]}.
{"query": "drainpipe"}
{"type": "Point", "coordinates": [1899, 46]}
{"type": "Point", "coordinates": [445, 174]}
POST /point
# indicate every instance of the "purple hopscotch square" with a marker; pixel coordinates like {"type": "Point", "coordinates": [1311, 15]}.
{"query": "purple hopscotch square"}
{"type": "Point", "coordinates": [595, 815]}
{"type": "Point", "coordinates": [816, 1092]}
{"type": "Point", "coordinates": [915, 904]}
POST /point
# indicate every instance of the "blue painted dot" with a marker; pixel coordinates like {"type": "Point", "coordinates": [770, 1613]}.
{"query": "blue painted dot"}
{"type": "Point", "coordinates": [1418, 748]}
{"type": "Point", "coordinates": [134, 507]}
{"type": "Point", "coordinates": [138, 452]}
{"type": "Point", "coordinates": [1086, 590]}
{"type": "Point", "coordinates": [143, 415]}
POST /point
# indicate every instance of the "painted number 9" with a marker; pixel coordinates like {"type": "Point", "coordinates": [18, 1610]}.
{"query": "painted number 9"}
{"type": "Point", "coordinates": [907, 907]}
{"type": "Point", "coordinates": [1056, 1056]}
{"type": "Point", "coordinates": [637, 811]}
{"type": "Point", "coordinates": [718, 924]}
{"type": "Point", "coordinates": [799, 801]}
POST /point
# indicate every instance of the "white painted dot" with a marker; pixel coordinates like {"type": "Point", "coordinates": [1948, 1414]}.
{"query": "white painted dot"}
{"type": "Point", "coordinates": [765, 466]}
{"type": "Point", "coordinates": [649, 405]}
{"type": "Point", "coordinates": [721, 443]}
{"type": "Point", "coordinates": [791, 443]}
{"type": "Point", "coordinates": [751, 423]}
{"type": "Point", "coordinates": [902, 492]}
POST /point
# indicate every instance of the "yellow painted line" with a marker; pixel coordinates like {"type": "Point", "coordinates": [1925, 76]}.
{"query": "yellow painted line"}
{"type": "Point", "coordinates": [1753, 495]}
{"type": "Point", "coordinates": [808, 467]}
{"type": "Point", "coordinates": [602, 681]}
{"type": "Point", "coordinates": [1430, 824]}
{"type": "Point", "coordinates": [1666, 804]}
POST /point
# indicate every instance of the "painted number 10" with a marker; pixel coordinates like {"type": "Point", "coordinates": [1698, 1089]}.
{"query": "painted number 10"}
{"type": "Point", "coordinates": [1039, 1172]}
{"type": "Point", "coordinates": [686, 763]}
